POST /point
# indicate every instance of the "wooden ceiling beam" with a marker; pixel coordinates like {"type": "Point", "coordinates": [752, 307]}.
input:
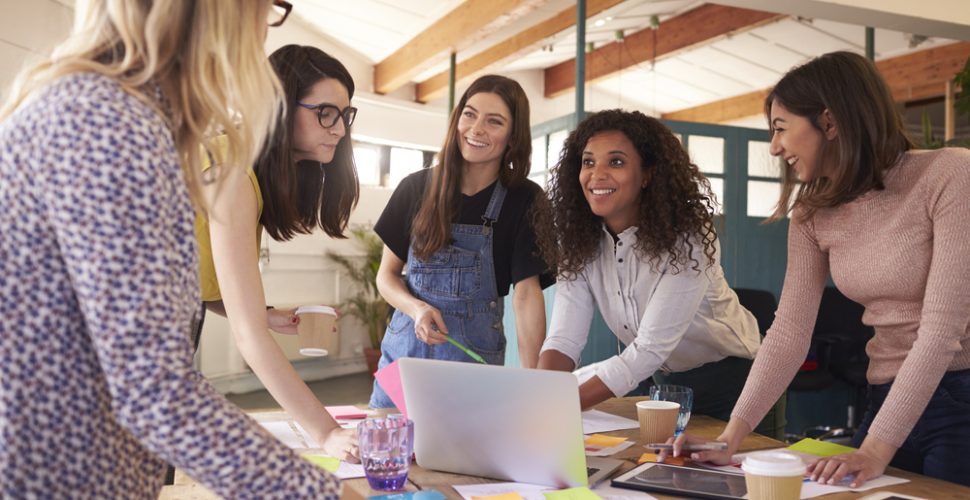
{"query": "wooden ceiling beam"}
{"type": "Point", "coordinates": [695, 27]}
{"type": "Point", "coordinates": [460, 28]}
{"type": "Point", "coordinates": [525, 41]}
{"type": "Point", "coordinates": [911, 77]}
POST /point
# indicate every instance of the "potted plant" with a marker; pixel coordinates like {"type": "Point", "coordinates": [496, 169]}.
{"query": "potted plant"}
{"type": "Point", "coordinates": [367, 305]}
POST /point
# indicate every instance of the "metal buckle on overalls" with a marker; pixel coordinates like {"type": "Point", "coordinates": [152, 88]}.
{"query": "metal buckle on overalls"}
{"type": "Point", "coordinates": [487, 225]}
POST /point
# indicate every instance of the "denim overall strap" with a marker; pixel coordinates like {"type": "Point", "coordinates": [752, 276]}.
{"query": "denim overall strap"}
{"type": "Point", "coordinates": [459, 281]}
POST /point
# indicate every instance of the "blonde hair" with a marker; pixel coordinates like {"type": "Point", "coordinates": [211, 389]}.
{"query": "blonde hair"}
{"type": "Point", "coordinates": [207, 57]}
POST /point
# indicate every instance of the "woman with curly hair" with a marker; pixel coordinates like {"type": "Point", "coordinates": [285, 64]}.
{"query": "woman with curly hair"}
{"type": "Point", "coordinates": [628, 224]}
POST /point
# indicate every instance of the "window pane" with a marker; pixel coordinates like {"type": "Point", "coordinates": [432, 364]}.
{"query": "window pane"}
{"type": "Point", "coordinates": [717, 187]}
{"type": "Point", "coordinates": [556, 141]}
{"type": "Point", "coordinates": [539, 178]}
{"type": "Point", "coordinates": [404, 162]}
{"type": "Point", "coordinates": [368, 161]}
{"type": "Point", "coordinates": [538, 154]}
{"type": "Point", "coordinates": [760, 162]}
{"type": "Point", "coordinates": [707, 153]}
{"type": "Point", "coordinates": [762, 198]}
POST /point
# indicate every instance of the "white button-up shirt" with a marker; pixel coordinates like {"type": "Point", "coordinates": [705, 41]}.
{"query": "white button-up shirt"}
{"type": "Point", "coordinates": [671, 321]}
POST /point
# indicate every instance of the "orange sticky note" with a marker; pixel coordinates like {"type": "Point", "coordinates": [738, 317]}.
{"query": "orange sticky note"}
{"type": "Point", "coordinates": [652, 457]}
{"type": "Point", "coordinates": [504, 496]}
{"type": "Point", "coordinates": [603, 441]}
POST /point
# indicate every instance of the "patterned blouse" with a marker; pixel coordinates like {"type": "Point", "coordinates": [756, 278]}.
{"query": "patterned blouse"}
{"type": "Point", "coordinates": [98, 291]}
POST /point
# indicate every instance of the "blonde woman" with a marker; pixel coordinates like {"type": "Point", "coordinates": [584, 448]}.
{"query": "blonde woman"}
{"type": "Point", "coordinates": [99, 152]}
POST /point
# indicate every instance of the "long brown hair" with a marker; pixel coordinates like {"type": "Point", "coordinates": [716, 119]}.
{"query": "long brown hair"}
{"type": "Point", "coordinates": [676, 206]}
{"type": "Point", "coordinates": [297, 197]}
{"type": "Point", "coordinates": [431, 230]}
{"type": "Point", "coordinates": [871, 137]}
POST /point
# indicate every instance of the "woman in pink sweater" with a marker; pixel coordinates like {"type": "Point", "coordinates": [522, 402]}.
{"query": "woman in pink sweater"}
{"type": "Point", "coordinates": [890, 224]}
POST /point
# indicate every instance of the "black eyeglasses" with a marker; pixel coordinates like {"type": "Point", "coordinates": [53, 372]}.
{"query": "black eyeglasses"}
{"type": "Point", "coordinates": [328, 114]}
{"type": "Point", "coordinates": [279, 12]}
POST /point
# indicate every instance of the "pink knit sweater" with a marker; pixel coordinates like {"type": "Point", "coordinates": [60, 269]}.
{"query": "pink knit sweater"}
{"type": "Point", "coordinates": [904, 254]}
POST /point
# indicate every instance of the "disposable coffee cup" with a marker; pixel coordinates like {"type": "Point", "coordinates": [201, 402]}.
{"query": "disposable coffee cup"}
{"type": "Point", "coordinates": [658, 420]}
{"type": "Point", "coordinates": [316, 329]}
{"type": "Point", "coordinates": [773, 475]}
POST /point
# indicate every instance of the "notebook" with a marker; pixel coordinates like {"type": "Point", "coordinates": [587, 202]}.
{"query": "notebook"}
{"type": "Point", "coordinates": [504, 423]}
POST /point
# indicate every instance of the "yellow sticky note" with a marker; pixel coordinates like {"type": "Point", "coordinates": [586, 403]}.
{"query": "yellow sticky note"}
{"type": "Point", "coordinates": [603, 441]}
{"type": "Point", "coordinates": [578, 493]}
{"type": "Point", "coordinates": [820, 448]}
{"type": "Point", "coordinates": [329, 464]}
{"type": "Point", "coordinates": [504, 496]}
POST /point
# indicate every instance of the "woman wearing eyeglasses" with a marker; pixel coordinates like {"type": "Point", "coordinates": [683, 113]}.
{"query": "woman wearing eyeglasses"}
{"type": "Point", "coordinates": [304, 179]}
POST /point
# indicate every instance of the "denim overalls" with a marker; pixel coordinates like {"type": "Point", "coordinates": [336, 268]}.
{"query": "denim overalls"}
{"type": "Point", "coordinates": [458, 280]}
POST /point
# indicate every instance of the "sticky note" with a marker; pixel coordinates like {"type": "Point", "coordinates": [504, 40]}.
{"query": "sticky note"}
{"type": "Point", "coordinates": [346, 412]}
{"type": "Point", "coordinates": [603, 441]}
{"type": "Point", "coordinates": [512, 495]}
{"type": "Point", "coordinates": [389, 379]}
{"type": "Point", "coordinates": [329, 464]}
{"type": "Point", "coordinates": [578, 493]}
{"type": "Point", "coordinates": [820, 448]}
{"type": "Point", "coordinates": [652, 457]}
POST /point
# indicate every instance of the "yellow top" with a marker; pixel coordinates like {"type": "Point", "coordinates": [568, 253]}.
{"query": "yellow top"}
{"type": "Point", "coordinates": [207, 269]}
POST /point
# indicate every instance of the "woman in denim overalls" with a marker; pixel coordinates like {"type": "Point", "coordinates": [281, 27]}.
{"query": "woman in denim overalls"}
{"type": "Point", "coordinates": [451, 287]}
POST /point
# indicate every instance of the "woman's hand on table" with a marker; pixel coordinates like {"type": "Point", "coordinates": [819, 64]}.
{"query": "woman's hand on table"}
{"type": "Point", "coordinates": [342, 443]}
{"type": "Point", "coordinates": [720, 457]}
{"type": "Point", "coordinates": [868, 462]}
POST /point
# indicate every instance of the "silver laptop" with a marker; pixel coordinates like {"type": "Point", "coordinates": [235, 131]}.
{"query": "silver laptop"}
{"type": "Point", "coordinates": [504, 423]}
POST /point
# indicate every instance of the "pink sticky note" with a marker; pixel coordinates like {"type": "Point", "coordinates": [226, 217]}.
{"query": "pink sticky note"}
{"type": "Point", "coordinates": [346, 412]}
{"type": "Point", "coordinates": [389, 379]}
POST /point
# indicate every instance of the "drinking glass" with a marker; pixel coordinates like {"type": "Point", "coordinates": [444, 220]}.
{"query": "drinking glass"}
{"type": "Point", "coordinates": [386, 445]}
{"type": "Point", "coordinates": [678, 394]}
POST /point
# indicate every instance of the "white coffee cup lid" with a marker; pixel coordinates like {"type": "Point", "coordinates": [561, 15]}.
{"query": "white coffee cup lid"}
{"type": "Point", "coordinates": [651, 404]}
{"type": "Point", "coordinates": [316, 309]}
{"type": "Point", "coordinates": [313, 351]}
{"type": "Point", "coordinates": [773, 463]}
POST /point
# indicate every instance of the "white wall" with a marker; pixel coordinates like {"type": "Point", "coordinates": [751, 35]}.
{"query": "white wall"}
{"type": "Point", "coordinates": [28, 30]}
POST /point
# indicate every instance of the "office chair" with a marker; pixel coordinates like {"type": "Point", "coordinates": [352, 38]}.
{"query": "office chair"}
{"type": "Point", "coordinates": [762, 305]}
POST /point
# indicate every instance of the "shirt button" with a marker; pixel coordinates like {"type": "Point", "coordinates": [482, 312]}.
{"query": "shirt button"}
{"type": "Point", "coordinates": [625, 328]}
{"type": "Point", "coordinates": [619, 243]}
{"type": "Point", "coordinates": [621, 260]}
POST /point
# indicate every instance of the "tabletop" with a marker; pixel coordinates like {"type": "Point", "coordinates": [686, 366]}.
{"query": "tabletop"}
{"type": "Point", "coordinates": [420, 478]}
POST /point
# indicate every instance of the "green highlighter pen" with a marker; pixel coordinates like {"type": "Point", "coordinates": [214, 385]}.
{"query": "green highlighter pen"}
{"type": "Point", "coordinates": [467, 351]}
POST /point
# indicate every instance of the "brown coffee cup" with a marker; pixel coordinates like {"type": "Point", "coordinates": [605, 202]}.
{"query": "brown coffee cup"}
{"type": "Point", "coordinates": [773, 475]}
{"type": "Point", "coordinates": [315, 330]}
{"type": "Point", "coordinates": [658, 420]}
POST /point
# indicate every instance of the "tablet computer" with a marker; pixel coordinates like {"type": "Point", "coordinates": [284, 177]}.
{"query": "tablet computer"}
{"type": "Point", "coordinates": [684, 481]}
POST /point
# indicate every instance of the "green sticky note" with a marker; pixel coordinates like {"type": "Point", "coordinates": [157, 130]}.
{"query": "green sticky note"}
{"type": "Point", "coordinates": [578, 493]}
{"type": "Point", "coordinates": [820, 448]}
{"type": "Point", "coordinates": [329, 464]}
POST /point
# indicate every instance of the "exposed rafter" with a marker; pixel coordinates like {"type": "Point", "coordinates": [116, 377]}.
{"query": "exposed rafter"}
{"type": "Point", "coordinates": [700, 25]}
{"type": "Point", "coordinates": [912, 77]}
{"type": "Point", "coordinates": [460, 28]}
{"type": "Point", "coordinates": [505, 50]}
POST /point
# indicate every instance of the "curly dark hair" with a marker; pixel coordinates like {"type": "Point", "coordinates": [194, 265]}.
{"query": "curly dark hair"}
{"type": "Point", "coordinates": [676, 206]}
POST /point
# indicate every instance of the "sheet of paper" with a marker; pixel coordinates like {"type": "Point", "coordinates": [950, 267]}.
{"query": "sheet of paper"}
{"type": "Point", "coordinates": [599, 421]}
{"type": "Point", "coordinates": [346, 412]}
{"type": "Point", "coordinates": [607, 492]}
{"type": "Point", "coordinates": [290, 433]}
{"type": "Point", "coordinates": [577, 493]}
{"type": "Point", "coordinates": [820, 448]}
{"type": "Point", "coordinates": [527, 491]}
{"type": "Point", "coordinates": [595, 451]}
{"type": "Point", "coordinates": [343, 470]}
{"type": "Point", "coordinates": [504, 496]}
{"type": "Point", "coordinates": [389, 378]}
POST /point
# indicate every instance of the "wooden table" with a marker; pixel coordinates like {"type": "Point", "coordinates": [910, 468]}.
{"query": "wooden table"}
{"type": "Point", "coordinates": [420, 478]}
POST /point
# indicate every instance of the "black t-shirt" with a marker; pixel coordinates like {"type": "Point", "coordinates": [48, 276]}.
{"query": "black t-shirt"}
{"type": "Point", "coordinates": [513, 246]}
